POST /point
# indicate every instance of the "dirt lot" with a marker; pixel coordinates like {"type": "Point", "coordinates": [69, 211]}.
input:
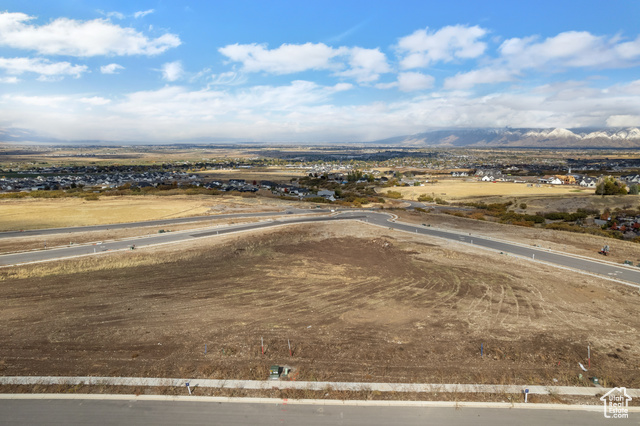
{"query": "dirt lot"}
{"type": "Point", "coordinates": [358, 303]}
{"type": "Point", "coordinates": [567, 242]}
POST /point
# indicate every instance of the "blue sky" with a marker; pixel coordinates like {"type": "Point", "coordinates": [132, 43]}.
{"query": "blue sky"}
{"type": "Point", "coordinates": [312, 71]}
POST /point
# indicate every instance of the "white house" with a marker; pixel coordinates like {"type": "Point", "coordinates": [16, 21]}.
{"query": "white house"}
{"type": "Point", "coordinates": [588, 182]}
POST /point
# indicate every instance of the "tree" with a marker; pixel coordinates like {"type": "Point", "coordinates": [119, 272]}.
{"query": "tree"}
{"type": "Point", "coordinates": [633, 189]}
{"type": "Point", "coordinates": [610, 186]}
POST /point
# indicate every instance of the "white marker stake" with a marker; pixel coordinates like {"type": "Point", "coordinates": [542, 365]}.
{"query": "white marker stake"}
{"type": "Point", "coordinates": [533, 256]}
{"type": "Point", "coordinates": [188, 388]}
{"type": "Point", "coordinates": [526, 393]}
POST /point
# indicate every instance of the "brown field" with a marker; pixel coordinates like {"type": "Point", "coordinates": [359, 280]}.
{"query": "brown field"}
{"type": "Point", "coordinates": [274, 174]}
{"type": "Point", "coordinates": [35, 213]}
{"type": "Point", "coordinates": [359, 303]}
{"type": "Point", "coordinates": [457, 190]}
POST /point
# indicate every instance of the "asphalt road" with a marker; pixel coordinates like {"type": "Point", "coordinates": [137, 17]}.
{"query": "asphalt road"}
{"type": "Point", "coordinates": [167, 237]}
{"type": "Point", "coordinates": [629, 274]}
{"type": "Point", "coordinates": [160, 222]}
{"type": "Point", "coordinates": [101, 412]}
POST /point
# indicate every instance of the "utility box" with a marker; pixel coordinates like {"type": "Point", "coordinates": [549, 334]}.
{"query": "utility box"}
{"type": "Point", "coordinates": [274, 372]}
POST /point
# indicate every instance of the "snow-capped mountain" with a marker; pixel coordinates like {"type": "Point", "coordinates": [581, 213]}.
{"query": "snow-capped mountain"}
{"type": "Point", "coordinates": [508, 137]}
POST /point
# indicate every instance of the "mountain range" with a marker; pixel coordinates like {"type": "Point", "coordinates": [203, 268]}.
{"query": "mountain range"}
{"type": "Point", "coordinates": [454, 138]}
{"type": "Point", "coordinates": [527, 137]}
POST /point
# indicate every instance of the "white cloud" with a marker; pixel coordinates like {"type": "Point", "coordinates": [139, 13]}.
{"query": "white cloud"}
{"type": "Point", "coordinates": [412, 81]}
{"type": "Point", "coordinates": [624, 121]}
{"type": "Point", "coordinates": [569, 49]}
{"type": "Point", "coordinates": [9, 80]}
{"type": "Point", "coordinates": [40, 101]}
{"type": "Point", "coordinates": [111, 69]}
{"type": "Point", "coordinates": [423, 48]}
{"type": "Point", "coordinates": [65, 36]}
{"type": "Point", "coordinates": [95, 100]}
{"type": "Point", "coordinates": [366, 65]}
{"type": "Point", "coordinates": [480, 76]}
{"type": "Point", "coordinates": [172, 71]}
{"type": "Point", "coordinates": [116, 15]}
{"type": "Point", "coordinates": [142, 14]}
{"type": "Point", "coordinates": [286, 59]}
{"type": "Point", "coordinates": [44, 67]}
{"type": "Point", "coordinates": [223, 79]}
{"type": "Point", "coordinates": [363, 65]}
{"type": "Point", "coordinates": [305, 111]}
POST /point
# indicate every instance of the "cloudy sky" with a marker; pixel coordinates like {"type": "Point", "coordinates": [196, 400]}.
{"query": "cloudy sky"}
{"type": "Point", "coordinates": [312, 71]}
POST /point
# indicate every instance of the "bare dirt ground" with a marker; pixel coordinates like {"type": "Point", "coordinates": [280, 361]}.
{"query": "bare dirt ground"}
{"type": "Point", "coordinates": [358, 303]}
{"type": "Point", "coordinates": [567, 242]}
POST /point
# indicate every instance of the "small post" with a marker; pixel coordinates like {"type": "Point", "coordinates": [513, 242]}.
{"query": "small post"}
{"type": "Point", "coordinates": [589, 354]}
{"type": "Point", "coordinates": [471, 241]}
{"type": "Point", "coordinates": [481, 350]}
{"type": "Point", "coordinates": [262, 345]}
{"type": "Point", "coordinates": [188, 388]}
{"type": "Point", "coordinates": [290, 353]}
{"type": "Point", "coordinates": [526, 393]}
{"type": "Point", "coordinates": [205, 348]}
{"type": "Point", "coordinates": [533, 256]}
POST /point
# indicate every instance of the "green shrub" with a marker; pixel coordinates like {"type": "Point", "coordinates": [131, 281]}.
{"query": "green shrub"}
{"type": "Point", "coordinates": [394, 194]}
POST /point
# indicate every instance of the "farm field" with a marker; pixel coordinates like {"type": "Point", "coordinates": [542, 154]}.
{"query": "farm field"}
{"type": "Point", "coordinates": [35, 213]}
{"type": "Point", "coordinates": [457, 190]}
{"type": "Point", "coordinates": [274, 174]}
{"type": "Point", "coordinates": [358, 303]}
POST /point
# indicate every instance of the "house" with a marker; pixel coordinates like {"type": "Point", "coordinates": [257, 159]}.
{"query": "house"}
{"type": "Point", "coordinates": [587, 182]}
{"type": "Point", "coordinates": [487, 178]}
{"type": "Point", "coordinates": [567, 179]}
{"type": "Point", "coordinates": [326, 194]}
{"type": "Point", "coordinates": [552, 180]}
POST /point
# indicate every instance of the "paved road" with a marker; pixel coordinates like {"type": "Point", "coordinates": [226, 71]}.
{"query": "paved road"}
{"type": "Point", "coordinates": [160, 222]}
{"type": "Point", "coordinates": [168, 237]}
{"type": "Point", "coordinates": [629, 274]}
{"type": "Point", "coordinates": [97, 412]}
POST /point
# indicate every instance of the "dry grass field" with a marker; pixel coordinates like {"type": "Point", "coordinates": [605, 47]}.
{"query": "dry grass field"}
{"type": "Point", "coordinates": [274, 174]}
{"type": "Point", "coordinates": [358, 303]}
{"type": "Point", "coordinates": [34, 213]}
{"type": "Point", "coordinates": [457, 190]}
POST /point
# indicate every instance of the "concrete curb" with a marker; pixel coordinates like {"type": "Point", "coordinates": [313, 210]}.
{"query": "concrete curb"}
{"type": "Point", "coordinates": [326, 402]}
{"type": "Point", "coordinates": [316, 386]}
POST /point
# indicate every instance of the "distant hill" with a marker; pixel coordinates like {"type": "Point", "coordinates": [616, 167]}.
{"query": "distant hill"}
{"type": "Point", "coordinates": [533, 138]}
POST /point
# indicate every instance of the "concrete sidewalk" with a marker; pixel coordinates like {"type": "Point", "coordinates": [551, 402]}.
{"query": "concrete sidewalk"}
{"type": "Point", "coordinates": [317, 386]}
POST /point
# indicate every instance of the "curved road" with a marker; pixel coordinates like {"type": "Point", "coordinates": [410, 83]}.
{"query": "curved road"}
{"type": "Point", "coordinates": [159, 222]}
{"type": "Point", "coordinates": [609, 270]}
